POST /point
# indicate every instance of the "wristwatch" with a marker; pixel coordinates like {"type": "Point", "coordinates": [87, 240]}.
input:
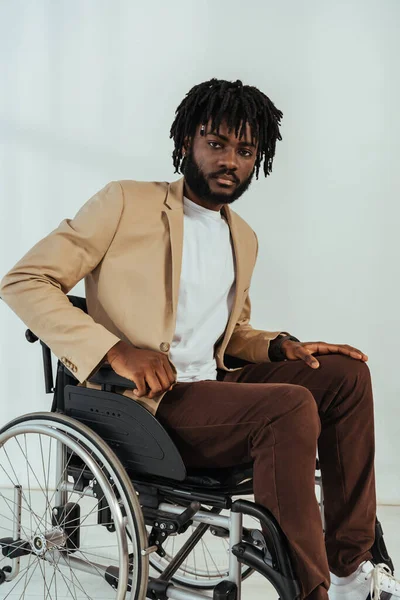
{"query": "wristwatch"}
{"type": "Point", "coordinates": [275, 352]}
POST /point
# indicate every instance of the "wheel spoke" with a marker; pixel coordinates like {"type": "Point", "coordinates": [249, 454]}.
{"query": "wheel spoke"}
{"type": "Point", "coordinates": [17, 483]}
{"type": "Point", "coordinates": [211, 556]}
{"type": "Point", "coordinates": [66, 566]}
{"type": "Point", "coordinates": [49, 502]}
{"type": "Point", "coordinates": [26, 575]}
{"type": "Point", "coordinates": [204, 554]}
{"type": "Point", "coordinates": [88, 515]}
{"type": "Point", "coordinates": [48, 505]}
{"type": "Point", "coordinates": [89, 562]}
{"type": "Point", "coordinates": [66, 579]}
{"type": "Point", "coordinates": [53, 578]}
{"type": "Point", "coordinates": [46, 480]}
{"type": "Point", "coordinates": [8, 501]}
{"type": "Point", "coordinates": [42, 568]}
{"type": "Point", "coordinates": [18, 580]}
{"type": "Point", "coordinates": [204, 567]}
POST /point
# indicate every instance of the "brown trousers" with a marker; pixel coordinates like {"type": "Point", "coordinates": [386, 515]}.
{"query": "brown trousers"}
{"type": "Point", "coordinates": [276, 414]}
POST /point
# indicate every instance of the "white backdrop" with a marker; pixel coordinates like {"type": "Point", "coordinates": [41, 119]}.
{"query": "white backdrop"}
{"type": "Point", "coordinates": [88, 94]}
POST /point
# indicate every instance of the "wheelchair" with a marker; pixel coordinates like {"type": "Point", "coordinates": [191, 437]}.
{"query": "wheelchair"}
{"type": "Point", "coordinates": [96, 501]}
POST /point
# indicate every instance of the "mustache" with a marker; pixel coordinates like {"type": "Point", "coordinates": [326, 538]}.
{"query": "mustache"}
{"type": "Point", "coordinates": [225, 172]}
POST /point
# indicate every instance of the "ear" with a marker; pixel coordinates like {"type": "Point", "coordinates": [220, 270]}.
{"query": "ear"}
{"type": "Point", "coordinates": [186, 145]}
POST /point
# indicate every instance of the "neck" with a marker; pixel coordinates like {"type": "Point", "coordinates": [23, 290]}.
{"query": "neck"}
{"type": "Point", "coordinates": [200, 201]}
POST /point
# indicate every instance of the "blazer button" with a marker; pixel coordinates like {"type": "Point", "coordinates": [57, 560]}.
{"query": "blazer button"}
{"type": "Point", "coordinates": [164, 346]}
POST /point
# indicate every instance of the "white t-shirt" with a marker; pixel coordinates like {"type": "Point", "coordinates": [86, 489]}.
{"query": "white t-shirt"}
{"type": "Point", "coordinates": [206, 292]}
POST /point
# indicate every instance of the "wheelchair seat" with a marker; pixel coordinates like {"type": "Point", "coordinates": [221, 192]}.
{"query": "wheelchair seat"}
{"type": "Point", "coordinates": [138, 438]}
{"type": "Point", "coordinates": [227, 477]}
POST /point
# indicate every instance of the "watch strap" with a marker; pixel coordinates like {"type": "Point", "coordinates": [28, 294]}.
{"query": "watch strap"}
{"type": "Point", "coordinates": [275, 350]}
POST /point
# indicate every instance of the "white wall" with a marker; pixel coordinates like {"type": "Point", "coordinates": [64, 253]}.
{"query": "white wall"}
{"type": "Point", "coordinates": [88, 94]}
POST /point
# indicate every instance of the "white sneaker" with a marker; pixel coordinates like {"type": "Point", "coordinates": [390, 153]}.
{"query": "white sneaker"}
{"type": "Point", "coordinates": [369, 583]}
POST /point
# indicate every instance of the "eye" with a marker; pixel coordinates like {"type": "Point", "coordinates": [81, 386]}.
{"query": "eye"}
{"type": "Point", "coordinates": [216, 144]}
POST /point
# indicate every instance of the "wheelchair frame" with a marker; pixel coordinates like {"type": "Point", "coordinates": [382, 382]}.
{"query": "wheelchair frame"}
{"type": "Point", "coordinates": [144, 473]}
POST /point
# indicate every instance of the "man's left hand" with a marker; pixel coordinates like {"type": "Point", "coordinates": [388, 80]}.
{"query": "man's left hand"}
{"type": "Point", "coordinates": [305, 350]}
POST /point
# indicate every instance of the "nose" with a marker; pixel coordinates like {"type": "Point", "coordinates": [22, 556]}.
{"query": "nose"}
{"type": "Point", "coordinates": [228, 160]}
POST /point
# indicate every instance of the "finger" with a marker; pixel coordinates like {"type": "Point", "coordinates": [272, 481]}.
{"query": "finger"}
{"type": "Point", "coordinates": [170, 372]}
{"type": "Point", "coordinates": [140, 386]}
{"type": "Point", "coordinates": [308, 358]}
{"type": "Point", "coordinates": [324, 348]}
{"type": "Point", "coordinates": [352, 352]}
{"type": "Point", "coordinates": [154, 384]}
{"type": "Point", "coordinates": [357, 351]}
{"type": "Point", "coordinates": [165, 380]}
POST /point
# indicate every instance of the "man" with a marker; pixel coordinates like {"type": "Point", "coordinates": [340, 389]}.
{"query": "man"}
{"type": "Point", "coordinates": [167, 273]}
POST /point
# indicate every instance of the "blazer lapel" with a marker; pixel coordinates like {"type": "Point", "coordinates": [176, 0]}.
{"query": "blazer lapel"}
{"type": "Point", "coordinates": [238, 250]}
{"type": "Point", "coordinates": [242, 267]}
{"type": "Point", "coordinates": [174, 215]}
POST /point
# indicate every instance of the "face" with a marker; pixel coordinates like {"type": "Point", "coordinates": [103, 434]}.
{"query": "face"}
{"type": "Point", "coordinates": [219, 166]}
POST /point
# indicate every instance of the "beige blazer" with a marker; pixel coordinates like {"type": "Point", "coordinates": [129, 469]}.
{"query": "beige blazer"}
{"type": "Point", "coordinates": [127, 242]}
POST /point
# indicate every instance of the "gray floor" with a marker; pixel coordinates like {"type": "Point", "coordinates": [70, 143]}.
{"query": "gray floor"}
{"type": "Point", "coordinates": [254, 588]}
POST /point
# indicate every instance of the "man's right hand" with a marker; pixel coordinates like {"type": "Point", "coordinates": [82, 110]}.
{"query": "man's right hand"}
{"type": "Point", "coordinates": [148, 369]}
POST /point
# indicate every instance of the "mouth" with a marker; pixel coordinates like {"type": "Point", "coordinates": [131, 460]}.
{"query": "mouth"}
{"type": "Point", "coordinates": [224, 180]}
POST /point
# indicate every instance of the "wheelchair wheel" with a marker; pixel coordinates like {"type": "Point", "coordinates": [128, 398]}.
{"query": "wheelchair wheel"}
{"type": "Point", "coordinates": [207, 564]}
{"type": "Point", "coordinates": [70, 521]}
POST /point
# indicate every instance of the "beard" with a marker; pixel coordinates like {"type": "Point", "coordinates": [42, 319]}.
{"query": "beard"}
{"type": "Point", "coordinates": [198, 182]}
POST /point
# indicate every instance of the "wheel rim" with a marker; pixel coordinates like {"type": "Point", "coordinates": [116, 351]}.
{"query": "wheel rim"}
{"type": "Point", "coordinates": [33, 471]}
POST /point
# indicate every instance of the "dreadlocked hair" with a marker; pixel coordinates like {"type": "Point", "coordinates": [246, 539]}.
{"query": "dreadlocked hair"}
{"type": "Point", "coordinates": [236, 103]}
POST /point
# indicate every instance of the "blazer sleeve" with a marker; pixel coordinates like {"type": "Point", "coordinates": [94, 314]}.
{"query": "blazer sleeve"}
{"type": "Point", "coordinates": [246, 342]}
{"type": "Point", "coordinates": [36, 287]}
{"type": "Point", "coordinates": [249, 343]}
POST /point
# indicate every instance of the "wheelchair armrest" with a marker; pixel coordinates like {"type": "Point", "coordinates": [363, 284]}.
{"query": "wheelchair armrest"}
{"type": "Point", "coordinates": [106, 375]}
